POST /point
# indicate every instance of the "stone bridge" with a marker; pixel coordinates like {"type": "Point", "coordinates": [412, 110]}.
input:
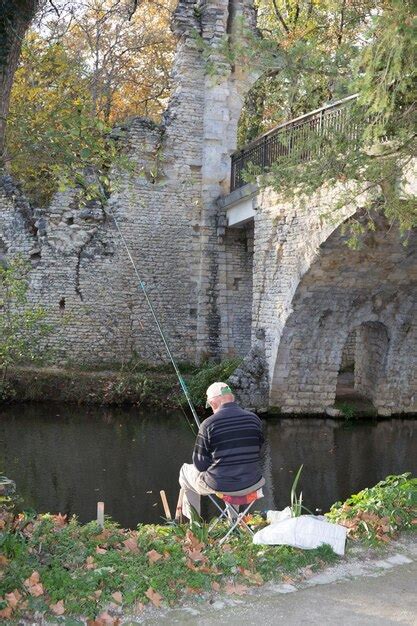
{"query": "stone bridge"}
{"type": "Point", "coordinates": [239, 273]}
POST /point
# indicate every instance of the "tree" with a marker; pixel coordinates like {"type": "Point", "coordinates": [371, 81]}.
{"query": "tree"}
{"type": "Point", "coordinates": [54, 137]}
{"type": "Point", "coordinates": [22, 328]}
{"type": "Point", "coordinates": [318, 43]}
{"type": "Point", "coordinates": [126, 59]}
{"type": "Point", "coordinates": [15, 17]}
{"type": "Point", "coordinates": [371, 52]}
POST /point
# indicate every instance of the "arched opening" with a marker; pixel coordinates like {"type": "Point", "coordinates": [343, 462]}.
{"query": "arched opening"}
{"type": "Point", "coordinates": [362, 367]}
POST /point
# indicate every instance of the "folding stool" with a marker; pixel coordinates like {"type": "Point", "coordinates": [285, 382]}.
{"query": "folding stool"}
{"type": "Point", "coordinates": [231, 511]}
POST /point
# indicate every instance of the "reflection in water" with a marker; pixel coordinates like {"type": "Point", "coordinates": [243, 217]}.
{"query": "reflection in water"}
{"type": "Point", "coordinates": [66, 458]}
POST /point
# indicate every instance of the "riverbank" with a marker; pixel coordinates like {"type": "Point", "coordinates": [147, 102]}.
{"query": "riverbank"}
{"type": "Point", "coordinates": [54, 568]}
{"type": "Point", "coordinates": [141, 384]}
{"type": "Point", "coordinates": [132, 384]}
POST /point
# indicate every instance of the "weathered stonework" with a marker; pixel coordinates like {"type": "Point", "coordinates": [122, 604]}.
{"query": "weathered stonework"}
{"type": "Point", "coordinates": [312, 294]}
{"type": "Point", "coordinates": [282, 289]}
{"type": "Point", "coordinates": [166, 212]}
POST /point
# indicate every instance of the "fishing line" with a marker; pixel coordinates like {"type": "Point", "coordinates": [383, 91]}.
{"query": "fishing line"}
{"type": "Point", "coordinates": [161, 332]}
{"type": "Point", "coordinates": [156, 320]}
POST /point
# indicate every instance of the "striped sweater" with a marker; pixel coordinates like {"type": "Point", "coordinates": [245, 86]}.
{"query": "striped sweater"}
{"type": "Point", "coordinates": [228, 447]}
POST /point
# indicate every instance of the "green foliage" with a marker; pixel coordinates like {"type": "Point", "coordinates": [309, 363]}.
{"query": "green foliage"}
{"type": "Point", "coordinates": [347, 410]}
{"type": "Point", "coordinates": [329, 50]}
{"type": "Point", "coordinates": [208, 374]}
{"type": "Point", "coordinates": [54, 139]}
{"type": "Point", "coordinates": [84, 566]}
{"type": "Point", "coordinates": [376, 513]}
{"type": "Point", "coordinates": [22, 328]}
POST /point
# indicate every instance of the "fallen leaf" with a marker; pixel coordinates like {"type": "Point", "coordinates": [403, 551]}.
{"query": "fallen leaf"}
{"type": "Point", "coordinates": [131, 545]}
{"type": "Point", "coordinates": [153, 556]}
{"type": "Point", "coordinates": [98, 593]}
{"type": "Point", "coordinates": [193, 589]}
{"type": "Point", "coordinates": [90, 564]}
{"type": "Point", "coordinates": [59, 520]}
{"type": "Point", "coordinates": [235, 588]}
{"type": "Point", "coordinates": [215, 586]}
{"type": "Point", "coordinates": [58, 608]}
{"type": "Point", "coordinates": [3, 560]}
{"type": "Point", "coordinates": [117, 597]}
{"type": "Point", "coordinates": [36, 590]}
{"type": "Point", "coordinates": [100, 550]}
{"type": "Point", "coordinates": [104, 619]}
{"type": "Point", "coordinates": [195, 555]}
{"type": "Point", "coordinates": [253, 577]}
{"type": "Point", "coordinates": [154, 597]}
{"type": "Point", "coordinates": [226, 547]}
{"type": "Point", "coordinates": [287, 579]}
{"type": "Point", "coordinates": [192, 541]}
{"type": "Point", "coordinates": [13, 598]}
{"type": "Point", "coordinates": [32, 580]}
{"type": "Point", "coordinates": [138, 607]}
{"type": "Point", "coordinates": [6, 612]}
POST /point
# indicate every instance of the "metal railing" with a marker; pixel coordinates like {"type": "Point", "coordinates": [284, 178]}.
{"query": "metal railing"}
{"type": "Point", "coordinates": [293, 138]}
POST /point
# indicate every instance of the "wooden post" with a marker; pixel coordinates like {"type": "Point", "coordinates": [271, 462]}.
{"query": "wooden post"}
{"type": "Point", "coordinates": [178, 510]}
{"type": "Point", "coordinates": [100, 514]}
{"type": "Point", "coordinates": [165, 505]}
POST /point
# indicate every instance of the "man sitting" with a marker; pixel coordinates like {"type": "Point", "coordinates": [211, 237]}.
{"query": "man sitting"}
{"type": "Point", "coordinates": [226, 456]}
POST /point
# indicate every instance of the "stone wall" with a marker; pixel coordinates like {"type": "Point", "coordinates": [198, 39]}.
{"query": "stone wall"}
{"type": "Point", "coordinates": [348, 354]}
{"type": "Point", "coordinates": [166, 212]}
{"type": "Point", "coordinates": [371, 358]}
{"type": "Point", "coordinates": [311, 291]}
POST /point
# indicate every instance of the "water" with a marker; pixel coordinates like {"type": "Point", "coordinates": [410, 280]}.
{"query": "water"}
{"type": "Point", "coordinates": [66, 458]}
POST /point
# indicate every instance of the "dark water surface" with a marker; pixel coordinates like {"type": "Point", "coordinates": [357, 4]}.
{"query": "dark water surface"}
{"type": "Point", "coordinates": [66, 458]}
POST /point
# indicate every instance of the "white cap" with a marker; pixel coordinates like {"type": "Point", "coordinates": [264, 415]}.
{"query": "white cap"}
{"type": "Point", "coordinates": [215, 390]}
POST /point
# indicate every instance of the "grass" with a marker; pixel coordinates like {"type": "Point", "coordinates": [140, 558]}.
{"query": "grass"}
{"type": "Point", "coordinates": [53, 567]}
{"type": "Point", "coordinates": [86, 569]}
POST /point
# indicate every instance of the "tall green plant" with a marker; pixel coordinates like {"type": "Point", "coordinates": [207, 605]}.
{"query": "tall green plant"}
{"type": "Point", "coordinates": [296, 501]}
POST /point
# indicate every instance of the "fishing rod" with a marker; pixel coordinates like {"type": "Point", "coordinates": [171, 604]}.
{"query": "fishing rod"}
{"type": "Point", "coordinates": [161, 332]}
{"type": "Point", "coordinates": [158, 325]}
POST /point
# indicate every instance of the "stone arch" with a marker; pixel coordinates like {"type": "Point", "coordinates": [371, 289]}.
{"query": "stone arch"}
{"type": "Point", "coordinates": [371, 352]}
{"type": "Point", "coordinates": [372, 290]}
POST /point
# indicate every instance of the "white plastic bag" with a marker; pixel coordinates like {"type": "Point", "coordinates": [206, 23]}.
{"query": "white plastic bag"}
{"type": "Point", "coordinates": [278, 516]}
{"type": "Point", "coordinates": [307, 532]}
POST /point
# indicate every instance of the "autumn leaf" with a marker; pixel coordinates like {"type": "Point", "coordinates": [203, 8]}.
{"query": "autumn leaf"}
{"type": "Point", "coordinates": [32, 580]}
{"type": "Point", "coordinates": [100, 550]}
{"type": "Point", "coordinates": [196, 555]}
{"type": "Point", "coordinates": [153, 556]}
{"type": "Point", "coordinates": [154, 597]}
{"type": "Point", "coordinates": [3, 561]}
{"type": "Point", "coordinates": [192, 541]}
{"type": "Point", "coordinates": [131, 545]}
{"type": "Point", "coordinates": [215, 586]}
{"type": "Point", "coordinates": [235, 588]}
{"type": "Point", "coordinates": [58, 608]}
{"type": "Point", "coordinates": [104, 619]}
{"type": "Point", "coordinates": [98, 593]}
{"type": "Point", "coordinates": [6, 613]}
{"type": "Point", "coordinates": [117, 597]}
{"type": "Point", "coordinates": [90, 564]}
{"type": "Point", "coordinates": [253, 577]}
{"type": "Point", "coordinates": [59, 520]}
{"type": "Point", "coordinates": [13, 598]}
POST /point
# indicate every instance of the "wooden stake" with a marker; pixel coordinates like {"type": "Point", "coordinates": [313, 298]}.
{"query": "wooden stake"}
{"type": "Point", "coordinates": [100, 514]}
{"type": "Point", "coordinates": [178, 510]}
{"type": "Point", "coordinates": [165, 505]}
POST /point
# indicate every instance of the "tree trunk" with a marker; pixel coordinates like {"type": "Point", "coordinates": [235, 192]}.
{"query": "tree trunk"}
{"type": "Point", "coordinates": [15, 18]}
